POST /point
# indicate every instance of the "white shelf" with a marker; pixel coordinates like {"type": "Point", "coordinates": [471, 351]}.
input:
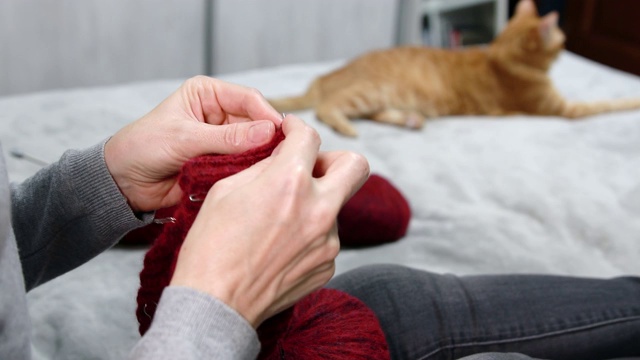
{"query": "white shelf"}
{"type": "Point", "coordinates": [488, 17]}
{"type": "Point", "coordinates": [435, 6]}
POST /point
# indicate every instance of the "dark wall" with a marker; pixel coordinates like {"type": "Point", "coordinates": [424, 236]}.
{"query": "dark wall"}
{"type": "Point", "coordinates": [606, 31]}
{"type": "Point", "coordinates": [544, 7]}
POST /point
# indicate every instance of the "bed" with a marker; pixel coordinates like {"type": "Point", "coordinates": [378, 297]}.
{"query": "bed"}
{"type": "Point", "coordinates": [488, 195]}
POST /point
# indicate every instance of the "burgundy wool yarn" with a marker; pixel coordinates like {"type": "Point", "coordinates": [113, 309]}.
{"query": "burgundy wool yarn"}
{"type": "Point", "coordinates": [196, 177]}
{"type": "Point", "coordinates": [378, 213]}
{"type": "Point", "coordinates": [326, 324]}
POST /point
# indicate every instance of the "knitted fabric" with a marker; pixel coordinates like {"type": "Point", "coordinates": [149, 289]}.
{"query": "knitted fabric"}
{"type": "Point", "coordinates": [196, 177]}
{"type": "Point", "coordinates": [326, 324]}
{"type": "Point", "coordinates": [377, 213]}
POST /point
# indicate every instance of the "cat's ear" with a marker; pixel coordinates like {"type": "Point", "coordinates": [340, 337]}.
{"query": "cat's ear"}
{"type": "Point", "coordinates": [548, 24]}
{"type": "Point", "coordinates": [526, 7]}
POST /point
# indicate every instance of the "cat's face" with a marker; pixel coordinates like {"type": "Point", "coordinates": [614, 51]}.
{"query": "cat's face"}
{"type": "Point", "coordinates": [531, 35]}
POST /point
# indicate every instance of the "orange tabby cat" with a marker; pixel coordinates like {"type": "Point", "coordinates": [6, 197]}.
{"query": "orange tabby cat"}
{"type": "Point", "coordinates": [405, 85]}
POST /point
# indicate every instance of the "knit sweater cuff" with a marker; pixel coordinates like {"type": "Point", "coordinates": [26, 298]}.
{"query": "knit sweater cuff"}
{"type": "Point", "coordinates": [104, 202]}
{"type": "Point", "coordinates": [191, 322]}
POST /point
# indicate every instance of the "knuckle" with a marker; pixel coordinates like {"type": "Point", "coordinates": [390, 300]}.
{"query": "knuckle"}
{"type": "Point", "coordinates": [328, 273]}
{"type": "Point", "coordinates": [179, 135]}
{"type": "Point", "coordinates": [221, 186]}
{"type": "Point", "coordinates": [322, 221]}
{"type": "Point", "coordinates": [311, 135]}
{"type": "Point", "coordinates": [298, 181]}
{"type": "Point", "coordinates": [359, 162]}
{"type": "Point", "coordinates": [326, 214]}
{"type": "Point", "coordinates": [332, 248]}
{"type": "Point", "coordinates": [253, 92]}
{"type": "Point", "coordinates": [198, 80]}
{"type": "Point", "coordinates": [230, 135]}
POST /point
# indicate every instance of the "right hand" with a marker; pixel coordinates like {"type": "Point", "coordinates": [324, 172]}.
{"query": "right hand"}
{"type": "Point", "coordinates": [267, 236]}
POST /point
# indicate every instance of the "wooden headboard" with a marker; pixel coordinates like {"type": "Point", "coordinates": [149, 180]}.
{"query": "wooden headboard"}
{"type": "Point", "coordinates": [607, 31]}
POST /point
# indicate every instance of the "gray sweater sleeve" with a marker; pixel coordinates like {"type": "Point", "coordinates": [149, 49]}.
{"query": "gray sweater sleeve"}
{"type": "Point", "coordinates": [71, 211]}
{"type": "Point", "coordinates": [68, 213]}
{"type": "Point", "coordinates": [192, 325]}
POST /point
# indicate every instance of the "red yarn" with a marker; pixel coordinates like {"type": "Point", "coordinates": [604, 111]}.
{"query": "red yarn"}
{"type": "Point", "coordinates": [197, 176]}
{"type": "Point", "coordinates": [378, 213]}
{"type": "Point", "coordinates": [326, 324]}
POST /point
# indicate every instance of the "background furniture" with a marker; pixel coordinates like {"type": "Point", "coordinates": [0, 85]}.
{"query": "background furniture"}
{"type": "Point", "coordinates": [605, 31]}
{"type": "Point", "coordinates": [446, 23]}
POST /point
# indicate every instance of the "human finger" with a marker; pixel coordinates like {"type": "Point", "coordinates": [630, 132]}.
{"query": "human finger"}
{"type": "Point", "coordinates": [301, 144]}
{"type": "Point", "coordinates": [238, 101]}
{"type": "Point", "coordinates": [340, 174]}
{"type": "Point", "coordinates": [230, 138]}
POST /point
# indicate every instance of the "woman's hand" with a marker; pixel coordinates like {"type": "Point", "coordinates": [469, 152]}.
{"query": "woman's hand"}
{"type": "Point", "coordinates": [266, 237]}
{"type": "Point", "coordinates": [203, 116]}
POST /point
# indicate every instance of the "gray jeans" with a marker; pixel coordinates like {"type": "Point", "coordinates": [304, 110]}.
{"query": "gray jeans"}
{"type": "Point", "coordinates": [431, 316]}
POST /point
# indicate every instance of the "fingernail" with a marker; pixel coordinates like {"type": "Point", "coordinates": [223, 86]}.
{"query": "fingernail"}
{"type": "Point", "coordinates": [260, 132]}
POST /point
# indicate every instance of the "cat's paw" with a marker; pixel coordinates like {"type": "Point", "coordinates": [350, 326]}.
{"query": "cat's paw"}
{"type": "Point", "coordinates": [336, 119]}
{"type": "Point", "coordinates": [414, 121]}
{"type": "Point", "coordinates": [349, 131]}
{"type": "Point", "coordinates": [405, 118]}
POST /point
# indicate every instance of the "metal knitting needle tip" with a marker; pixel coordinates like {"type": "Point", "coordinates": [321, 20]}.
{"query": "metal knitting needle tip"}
{"type": "Point", "coordinates": [18, 154]}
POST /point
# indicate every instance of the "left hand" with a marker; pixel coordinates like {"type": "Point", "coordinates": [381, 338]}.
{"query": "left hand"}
{"type": "Point", "coordinates": [203, 116]}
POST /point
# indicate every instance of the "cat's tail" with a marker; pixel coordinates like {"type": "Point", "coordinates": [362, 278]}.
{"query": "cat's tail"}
{"type": "Point", "coordinates": [575, 110]}
{"type": "Point", "coordinates": [307, 100]}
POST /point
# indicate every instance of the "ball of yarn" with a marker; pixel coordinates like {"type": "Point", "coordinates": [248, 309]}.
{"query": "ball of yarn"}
{"type": "Point", "coordinates": [326, 324]}
{"type": "Point", "coordinates": [377, 213]}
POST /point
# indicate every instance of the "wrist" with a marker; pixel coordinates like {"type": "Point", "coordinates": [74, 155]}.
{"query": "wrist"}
{"type": "Point", "coordinates": [111, 160]}
{"type": "Point", "coordinates": [227, 288]}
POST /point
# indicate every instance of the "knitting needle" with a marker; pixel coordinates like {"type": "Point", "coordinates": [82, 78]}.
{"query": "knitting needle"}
{"type": "Point", "coordinates": [18, 154]}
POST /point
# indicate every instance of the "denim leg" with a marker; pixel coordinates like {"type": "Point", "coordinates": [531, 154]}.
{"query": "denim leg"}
{"type": "Point", "coordinates": [431, 316]}
{"type": "Point", "coordinates": [498, 356]}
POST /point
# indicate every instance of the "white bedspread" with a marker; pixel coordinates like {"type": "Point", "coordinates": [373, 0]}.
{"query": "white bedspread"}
{"type": "Point", "coordinates": [488, 195]}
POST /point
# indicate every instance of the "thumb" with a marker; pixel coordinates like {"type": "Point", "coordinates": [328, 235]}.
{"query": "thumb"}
{"type": "Point", "coordinates": [233, 138]}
